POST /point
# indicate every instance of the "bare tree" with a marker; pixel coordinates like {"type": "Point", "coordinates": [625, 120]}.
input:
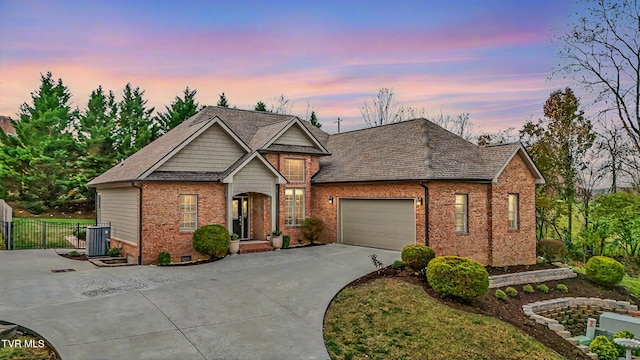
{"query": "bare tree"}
{"type": "Point", "coordinates": [383, 109]}
{"type": "Point", "coordinates": [603, 53]}
{"type": "Point", "coordinates": [282, 105]}
{"type": "Point", "coordinates": [503, 136]}
{"type": "Point", "coordinates": [460, 124]}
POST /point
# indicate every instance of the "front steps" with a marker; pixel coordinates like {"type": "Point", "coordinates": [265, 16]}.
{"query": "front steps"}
{"type": "Point", "coordinates": [255, 246]}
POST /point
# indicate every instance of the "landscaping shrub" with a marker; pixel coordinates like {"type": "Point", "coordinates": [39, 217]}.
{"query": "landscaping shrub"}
{"type": "Point", "coordinates": [164, 258]}
{"type": "Point", "coordinates": [624, 334]}
{"type": "Point", "coordinates": [562, 288]}
{"type": "Point", "coordinates": [604, 347]}
{"type": "Point", "coordinates": [512, 292]}
{"type": "Point", "coordinates": [527, 289]}
{"type": "Point", "coordinates": [501, 295]}
{"type": "Point", "coordinates": [311, 229]}
{"type": "Point", "coordinates": [286, 241]}
{"type": "Point", "coordinates": [212, 240]}
{"type": "Point", "coordinates": [604, 270]}
{"type": "Point", "coordinates": [417, 257]}
{"type": "Point", "coordinates": [73, 253]}
{"type": "Point", "coordinates": [457, 276]}
{"type": "Point", "coordinates": [398, 264]}
{"type": "Point", "coordinates": [113, 252]}
{"type": "Point", "coordinates": [552, 250]}
{"type": "Point", "coordinates": [543, 288]}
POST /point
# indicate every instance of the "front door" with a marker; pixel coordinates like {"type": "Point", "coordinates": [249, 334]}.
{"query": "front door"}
{"type": "Point", "coordinates": [240, 209]}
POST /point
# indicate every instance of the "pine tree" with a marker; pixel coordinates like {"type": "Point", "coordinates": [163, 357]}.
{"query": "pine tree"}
{"type": "Point", "coordinates": [38, 165]}
{"type": "Point", "coordinates": [260, 106]}
{"type": "Point", "coordinates": [179, 110]}
{"type": "Point", "coordinates": [314, 120]}
{"type": "Point", "coordinates": [223, 101]}
{"type": "Point", "coordinates": [134, 127]}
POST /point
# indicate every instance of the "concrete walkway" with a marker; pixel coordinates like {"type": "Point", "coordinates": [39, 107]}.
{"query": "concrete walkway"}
{"type": "Point", "coordinates": [254, 306]}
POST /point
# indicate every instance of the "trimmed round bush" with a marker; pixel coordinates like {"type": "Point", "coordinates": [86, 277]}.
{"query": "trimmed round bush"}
{"type": "Point", "coordinates": [604, 270]}
{"type": "Point", "coordinates": [527, 288]}
{"type": "Point", "coordinates": [212, 240]}
{"type": "Point", "coordinates": [164, 258]}
{"type": "Point", "coordinates": [552, 250]}
{"type": "Point", "coordinates": [512, 292]}
{"type": "Point", "coordinates": [417, 257]}
{"type": "Point", "coordinates": [457, 276]}
{"type": "Point", "coordinates": [500, 295]}
{"type": "Point", "coordinates": [604, 347]}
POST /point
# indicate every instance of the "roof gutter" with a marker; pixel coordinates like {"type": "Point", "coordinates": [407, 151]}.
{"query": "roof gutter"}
{"type": "Point", "coordinates": [426, 213]}
{"type": "Point", "coordinates": [133, 184]}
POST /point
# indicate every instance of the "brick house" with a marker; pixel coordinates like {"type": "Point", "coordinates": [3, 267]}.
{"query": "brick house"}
{"type": "Point", "coordinates": [385, 187]}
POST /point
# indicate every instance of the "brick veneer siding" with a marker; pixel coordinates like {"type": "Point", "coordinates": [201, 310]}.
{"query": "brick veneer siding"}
{"type": "Point", "coordinates": [329, 212]}
{"type": "Point", "coordinates": [161, 213]}
{"type": "Point", "coordinates": [311, 166]}
{"type": "Point", "coordinates": [514, 247]}
{"type": "Point", "coordinates": [443, 237]}
{"type": "Point", "coordinates": [127, 249]}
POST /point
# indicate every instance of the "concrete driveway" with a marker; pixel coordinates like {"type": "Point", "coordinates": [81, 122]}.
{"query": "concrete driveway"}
{"type": "Point", "coordinates": [254, 306]}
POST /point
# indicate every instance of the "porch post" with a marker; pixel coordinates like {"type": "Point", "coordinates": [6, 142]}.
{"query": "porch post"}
{"type": "Point", "coordinates": [229, 209]}
{"type": "Point", "coordinates": [274, 206]}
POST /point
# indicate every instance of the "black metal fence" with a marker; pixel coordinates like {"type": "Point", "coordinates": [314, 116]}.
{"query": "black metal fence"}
{"type": "Point", "coordinates": [39, 234]}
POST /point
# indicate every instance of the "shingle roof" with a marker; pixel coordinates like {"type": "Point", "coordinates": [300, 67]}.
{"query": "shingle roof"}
{"type": "Point", "coordinates": [254, 128]}
{"type": "Point", "coordinates": [416, 149]}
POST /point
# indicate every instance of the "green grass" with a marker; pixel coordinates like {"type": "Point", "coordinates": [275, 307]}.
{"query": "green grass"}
{"type": "Point", "coordinates": [392, 319]}
{"type": "Point", "coordinates": [25, 353]}
{"type": "Point", "coordinates": [60, 220]}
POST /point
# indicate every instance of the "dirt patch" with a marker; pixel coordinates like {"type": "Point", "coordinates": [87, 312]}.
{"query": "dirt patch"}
{"type": "Point", "coordinates": [503, 270]}
{"type": "Point", "coordinates": [82, 257]}
{"type": "Point", "coordinates": [510, 311]}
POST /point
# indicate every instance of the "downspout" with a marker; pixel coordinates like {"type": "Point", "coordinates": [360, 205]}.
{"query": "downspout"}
{"type": "Point", "coordinates": [426, 213]}
{"type": "Point", "coordinates": [277, 199]}
{"type": "Point", "coordinates": [139, 222]}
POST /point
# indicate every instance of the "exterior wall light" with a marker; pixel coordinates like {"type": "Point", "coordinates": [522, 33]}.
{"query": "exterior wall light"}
{"type": "Point", "coordinates": [419, 201]}
{"type": "Point", "coordinates": [330, 199]}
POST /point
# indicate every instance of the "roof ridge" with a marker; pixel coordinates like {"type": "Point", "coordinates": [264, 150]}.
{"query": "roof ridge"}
{"type": "Point", "coordinates": [380, 126]}
{"type": "Point", "coordinates": [247, 110]}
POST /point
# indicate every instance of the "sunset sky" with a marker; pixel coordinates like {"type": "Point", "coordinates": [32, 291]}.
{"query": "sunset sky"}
{"type": "Point", "coordinates": [492, 59]}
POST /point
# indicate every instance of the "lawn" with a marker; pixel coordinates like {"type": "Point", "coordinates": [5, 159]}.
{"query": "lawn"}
{"type": "Point", "coordinates": [392, 319]}
{"type": "Point", "coordinates": [632, 284]}
{"type": "Point", "coordinates": [60, 220]}
{"type": "Point", "coordinates": [58, 232]}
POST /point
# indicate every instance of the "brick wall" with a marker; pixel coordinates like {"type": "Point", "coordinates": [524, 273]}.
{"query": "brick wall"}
{"type": "Point", "coordinates": [514, 247]}
{"type": "Point", "coordinates": [311, 166]}
{"type": "Point", "coordinates": [443, 237]}
{"type": "Point", "coordinates": [160, 206]}
{"type": "Point", "coordinates": [329, 212]}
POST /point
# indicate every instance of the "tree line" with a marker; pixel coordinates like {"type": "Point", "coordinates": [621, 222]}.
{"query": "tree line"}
{"type": "Point", "coordinates": [57, 148]}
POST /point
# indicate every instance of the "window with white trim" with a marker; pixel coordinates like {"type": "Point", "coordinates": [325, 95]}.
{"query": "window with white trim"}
{"type": "Point", "coordinates": [293, 206]}
{"type": "Point", "coordinates": [294, 170]}
{"type": "Point", "coordinates": [513, 211]}
{"type": "Point", "coordinates": [461, 212]}
{"type": "Point", "coordinates": [188, 213]}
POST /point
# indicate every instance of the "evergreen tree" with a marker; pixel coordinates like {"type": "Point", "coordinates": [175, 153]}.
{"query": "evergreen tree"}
{"type": "Point", "coordinates": [38, 166]}
{"type": "Point", "coordinates": [135, 127]}
{"type": "Point", "coordinates": [180, 110]}
{"type": "Point", "coordinates": [223, 101]}
{"type": "Point", "coordinates": [314, 120]}
{"type": "Point", "coordinates": [260, 106]}
{"type": "Point", "coordinates": [95, 135]}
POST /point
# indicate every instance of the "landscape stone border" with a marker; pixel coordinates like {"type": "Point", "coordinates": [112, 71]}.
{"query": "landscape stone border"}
{"type": "Point", "coordinates": [532, 310]}
{"type": "Point", "coordinates": [528, 277]}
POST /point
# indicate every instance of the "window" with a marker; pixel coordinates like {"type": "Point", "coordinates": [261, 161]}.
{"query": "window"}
{"type": "Point", "coordinates": [293, 206]}
{"type": "Point", "coordinates": [294, 170]}
{"type": "Point", "coordinates": [513, 211]}
{"type": "Point", "coordinates": [461, 212]}
{"type": "Point", "coordinates": [188, 212]}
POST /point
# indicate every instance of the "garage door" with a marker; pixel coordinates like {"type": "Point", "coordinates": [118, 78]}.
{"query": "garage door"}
{"type": "Point", "coordinates": [380, 223]}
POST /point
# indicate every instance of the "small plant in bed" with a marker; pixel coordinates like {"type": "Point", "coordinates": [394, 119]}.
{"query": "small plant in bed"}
{"type": "Point", "coordinates": [73, 253]}
{"type": "Point", "coordinates": [113, 252]}
{"type": "Point", "coordinates": [562, 288]}
{"type": "Point", "coordinates": [527, 289]}
{"type": "Point", "coordinates": [511, 292]}
{"type": "Point", "coordinates": [500, 295]}
{"type": "Point", "coordinates": [164, 258]}
{"type": "Point", "coordinates": [543, 288]}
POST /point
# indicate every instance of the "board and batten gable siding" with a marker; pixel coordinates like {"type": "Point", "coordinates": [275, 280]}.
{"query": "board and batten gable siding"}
{"type": "Point", "coordinates": [119, 206]}
{"type": "Point", "coordinates": [213, 151]}
{"type": "Point", "coordinates": [254, 177]}
{"type": "Point", "coordinates": [294, 136]}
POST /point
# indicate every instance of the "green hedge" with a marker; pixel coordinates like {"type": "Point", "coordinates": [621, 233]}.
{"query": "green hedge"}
{"type": "Point", "coordinates": [604, 270]}
{"type": "Point", "coordinates": [457, 276]}
{"type": "Point", "coordinates": [212, 240]}
{"type": "Point", "coordinates": [417, 257]}
{"type": "Point", "coordinates": [552, 250]}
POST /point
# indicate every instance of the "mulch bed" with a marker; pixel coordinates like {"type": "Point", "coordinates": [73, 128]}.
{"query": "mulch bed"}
{"type": "Point", "coordinates": [82, 257]}
{"type": "Point", "coordinates": [510, 311]}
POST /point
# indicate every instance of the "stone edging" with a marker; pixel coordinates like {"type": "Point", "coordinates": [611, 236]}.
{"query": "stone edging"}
{"type": "Point", "coordinates": [528, 277]}
{"type": "Point", "coordinates": [531, 310]}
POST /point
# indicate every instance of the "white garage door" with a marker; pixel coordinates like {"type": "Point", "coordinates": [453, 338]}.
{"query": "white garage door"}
{"type": "Point", "coordinates": [380, 223]}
